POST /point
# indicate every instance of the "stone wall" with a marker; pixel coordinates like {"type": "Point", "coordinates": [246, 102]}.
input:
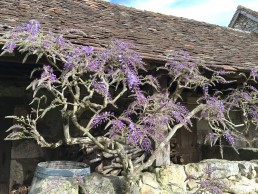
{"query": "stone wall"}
{"type": "Point", "coordinates": [236, 177]}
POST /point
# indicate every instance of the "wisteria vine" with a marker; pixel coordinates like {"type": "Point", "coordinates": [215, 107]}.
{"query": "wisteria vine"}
{"type": "Point", "coordinates": [83, 80]}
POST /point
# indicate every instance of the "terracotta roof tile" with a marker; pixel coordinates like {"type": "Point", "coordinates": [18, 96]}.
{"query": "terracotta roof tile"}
{"type": "Point", "coordinates": [152, 33]}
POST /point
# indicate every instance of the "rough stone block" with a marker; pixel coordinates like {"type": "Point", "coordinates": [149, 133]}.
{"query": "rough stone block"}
{"type": "Point", "coordinates": [247, 169]}
{"type": "Point", "coordinates": [100, 184]}
{"type": "Point", "coordinates": [191, 184]}
{"type": "Point", "coordinates": [26, 149]}
{"type": "Point", "coordinates": [54, 186]}
{"type": "Point", "coordinates": [224, 168]}
{"type": "Point", "coordinates": [244, 189]}
{"type": "Point", "coordinates": [173, 175]}
{"type": "Point", "coordinates": [196, 169]}
{"type": "Point", "coordinates": [150, 179]}
{"type": "Point", "coordinates": [16, 173]}
{"type": "Point", "coordinates": [146, 189]}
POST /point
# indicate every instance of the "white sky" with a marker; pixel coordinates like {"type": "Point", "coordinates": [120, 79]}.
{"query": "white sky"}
{"type": "Point", "coordinates": [217, 12]}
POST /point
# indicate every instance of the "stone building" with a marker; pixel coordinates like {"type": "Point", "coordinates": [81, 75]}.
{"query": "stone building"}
{"type": "Point", "coordinates": [153, 34]}
{"type": "Point", "coordinates": [244, 19]}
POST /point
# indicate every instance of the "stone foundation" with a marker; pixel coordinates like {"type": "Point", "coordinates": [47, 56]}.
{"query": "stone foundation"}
{"type": "Point", "coordinates": [238, 177]}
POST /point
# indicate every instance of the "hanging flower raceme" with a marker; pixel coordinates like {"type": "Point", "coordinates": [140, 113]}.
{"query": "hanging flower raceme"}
{"type": "Point", "coordinates": [33, 27]}
{"type": "Point", "coordinates": [214, 109]}
{"type": "Point", "coordinates": [101, 88]}
{"type": "Point", "coordinates": [88, 50]}
{"type": "Point", "coordinates": [9, 47]}
{"type": "Point", "coordinates": [254, 73]}
{"type": "Point", "coordinates": [212, 138]}
{"type": "Point", "coordinates": [134, 134]}
{"type": "Point", "coordinates": [47, 75]}
{"type": "Point", "coordinates": [31, 39]}
{"type": "Point", "coordinates": [60, 41]}
{"type": "Point", "coordinates": [230, 139]}
{"type": "Point", "coordinates": [24, 31]}
{"type": "Point", "coordinates": [146, 144]}
{"type": "Point", "coordinates": [121, 64]}
{"type": "Point", "coordinates": [133, 81]}
{"type": "Point", "coordinates": [253, 113]}
{"type": "Point", "coordinates": [138, 136]}
{"type": "Point", "coordinates": [101, 118]}
{"type": "Point", "coordinates": [116, 128]}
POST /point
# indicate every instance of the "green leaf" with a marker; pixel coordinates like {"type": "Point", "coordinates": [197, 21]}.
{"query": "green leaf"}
{"type": "Point", "coordinates": [221, 147]}
{"type": "Point", "coordinates": [16, 126]}
{"type": "Point", "coordinates": [25, 58]}
{"type": "Point", "coordinates": [12, 117]}
{"type": "Point", "coordinates": [34, 70]}
{"type": "Point", "coordinates": [4, 52]}
{"type": "Point", "coordinates": [35, 52]}
{"type": "Point", "coordinates": [32, 85]}
{"type": "Point", "coordinates": [54, 58]}
{"type": "Point", "coordinates": [39, 57]}
{"type": "Point", "coordinates": [24, 49]}
{"type": "Point", "coordinates": [15, 136]}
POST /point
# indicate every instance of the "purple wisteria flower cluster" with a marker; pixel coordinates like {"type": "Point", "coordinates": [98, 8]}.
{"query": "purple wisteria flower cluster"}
{"type": "Point", "coordinates": [134, 133]}
{"type": "Point", "coordinates": [207, 183]}
{"type": "Point", "coordinates": [33, 27]}
{"type": "Point", "coordinates": [212, 138]}
{"type": "Point", "coordinates": [254, 73]}
{"type": "Point", "coordinates": [9, 47]}
{"type": "Point", "coordinates": [101, 118]}
{"type": "Point", "coordinates": [47, 75]}
{"type": "Point", "coordinates": [31, 37]}
{"type": "Point", "coordinates": [214, 110]}
{"type": "Point", "coordinates": [80, 60]}
{"type": "Point", "coordinates": [125, 64]}
{"type": "Point", "coordinates": [101, 88]}
{"type": "Point", "coordinates": [117, 128]}
{"type": "Point", "coordinates": [137, 136]}
{"type": "Point", "coordinates": [213, 187]}
{"type": "Point", "coordinates": [23, 31]}
{"type": "Point", "coordinates": [230, 138]}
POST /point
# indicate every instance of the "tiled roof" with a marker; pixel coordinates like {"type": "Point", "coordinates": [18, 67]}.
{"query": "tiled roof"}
{"type": "Point", "coordinates": [152, 33]}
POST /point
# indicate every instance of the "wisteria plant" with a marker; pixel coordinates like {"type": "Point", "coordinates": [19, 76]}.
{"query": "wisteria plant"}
{"type": "Point", "coordinates": [80, 80]}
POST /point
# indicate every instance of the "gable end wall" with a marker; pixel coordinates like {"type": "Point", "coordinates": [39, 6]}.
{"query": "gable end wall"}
{"type": "Point", "coordinates": [245, 23]}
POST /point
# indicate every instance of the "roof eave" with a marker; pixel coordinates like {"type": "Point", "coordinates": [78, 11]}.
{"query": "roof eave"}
{"type": "Point", "coordinates": [234, 19]}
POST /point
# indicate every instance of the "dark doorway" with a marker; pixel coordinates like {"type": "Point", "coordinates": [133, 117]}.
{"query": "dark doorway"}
{"type": "Point", "coordinates": [187, 144]}
{"type": "Point", "coordinates": [6, 108]}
